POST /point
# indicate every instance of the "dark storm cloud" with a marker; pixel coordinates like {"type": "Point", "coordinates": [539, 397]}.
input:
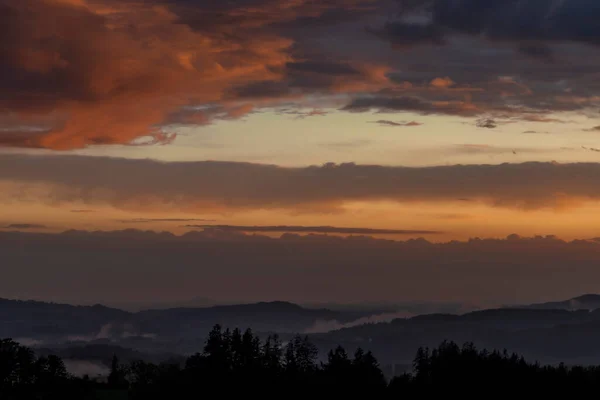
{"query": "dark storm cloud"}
{"type": "Point", "coordinates": [209, 186]}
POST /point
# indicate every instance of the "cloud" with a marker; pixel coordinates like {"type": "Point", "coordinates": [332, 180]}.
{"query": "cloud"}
{"type": "Point", "coordinates": [474, 44]}
{"type": "Point", "coordinates": [442, 83]}
{"type": "Point", "coordinates": [393, 123]}
{"type": "Point", "coordinates": [492, 123]}
{"type": "Point", "coordinates": [25, 226]}
{"type": "Point", "coordinates": [537, 50]}
{"type": "Point", "coordinates": [106, 72]}
{"type": "Point", "coordinates": [84, 267]}
{"type": "Point", "coordinates": [486, 123]}
{"type": "Point", "coordinates": [83, 211]}
{"type": "Point", "coordinates": [385, 103]}
{"type": "Point", "coordinates": [447, 216]}
{"type": "Point", "coordinates": [316, 229]}
{"type": "Point", "coordinates": [541, 118]}
{"type": "Point", "coordinates": [216, 186]}
{"type": "Point", "coordinates": [530, 21]}
{"type": "Point", "coordinates": [324, 326]}
{"type": "Point", "coordinates": [470, 148]}
{"type": "Point", "coordinates": [594, 129]}
{"type": "Point", "coordinates": [148, 220]}
{"type": "Point", "coordinates": [92, 69]}
{"type": "Point", "coordinates": [590, 149]}
{"type": "Point", "coordinates": [299, 114]}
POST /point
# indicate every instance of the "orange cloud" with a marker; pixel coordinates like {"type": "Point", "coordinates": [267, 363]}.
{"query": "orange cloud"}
{"type": "Point", "coordinates": [442, 83]}
{"type": "Point", "coordinates": [111, 72]}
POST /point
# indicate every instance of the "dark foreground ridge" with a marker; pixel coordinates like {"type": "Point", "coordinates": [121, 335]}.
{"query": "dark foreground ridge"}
{"type": "Point", "coordinates": [239, 362]}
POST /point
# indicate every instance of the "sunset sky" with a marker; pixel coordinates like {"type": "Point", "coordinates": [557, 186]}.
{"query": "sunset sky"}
{"type": "Point", "coordinates": [442, 119]}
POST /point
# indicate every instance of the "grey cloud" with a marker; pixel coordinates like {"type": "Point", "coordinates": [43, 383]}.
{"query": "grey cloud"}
{"type": "Point", "coordinates": [512, 20]}
{"type": "Point", "coordinates": [299, 114]}
{"type": "Point", "coordinates": [537, 50]}
{"type": "Point", "coordinates": [321, 67]}
{"type": "Point", "coordinates": [262, 89]}
{"type": "Point", "coordinates": [296, 268]}
{"type": "Point", "coordinates": [316, 229]}
{"type": "Point", "coordinates": [208, 185]}
{"type": "Point", "coordinates": [25, 226]}
{"type": "Point", "coordinates": [591, 149]}
{"type": "Point", "coordinates": [384, 103]}
{"type": "Point", "coordinates": [568, 83]}
{"type": "Point", "coordinates": [410, 34]}
{"type": "Point", "coordinates": [484, 148]}
{"type": "Point", "coordinates": [397, 124]}
{"type": "Point", "coordinates": [487, 123]}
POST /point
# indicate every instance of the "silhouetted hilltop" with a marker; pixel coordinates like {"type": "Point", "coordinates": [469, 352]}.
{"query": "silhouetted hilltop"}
{"type": "Point", "coordinates": [263, 317]}
{"type": "Point", "coordinates": [36, 319]}
{"type": "Point", "coordinates": [544, 335]}
{"type": "Point", "coordinates": [584, 302]}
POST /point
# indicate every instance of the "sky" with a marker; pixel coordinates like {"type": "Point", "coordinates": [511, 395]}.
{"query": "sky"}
{"type": "Point", "coordinates": [397, 119]}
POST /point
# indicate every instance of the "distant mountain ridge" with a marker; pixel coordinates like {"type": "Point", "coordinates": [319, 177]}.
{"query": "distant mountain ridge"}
{"type": "Point", "coordinates": [31, 319]}
{"type": "Point", "coordinates": [583, 302]}
{"type": "Point", "coordinates": [564, 330]}
{"type": "Point", "coordinates": [41, 321]}
{"type": "Point", "coordinates": [545, 335]}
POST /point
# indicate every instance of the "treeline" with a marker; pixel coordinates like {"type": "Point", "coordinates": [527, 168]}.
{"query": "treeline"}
{"type": "Point", "coordinates": [235, 362]}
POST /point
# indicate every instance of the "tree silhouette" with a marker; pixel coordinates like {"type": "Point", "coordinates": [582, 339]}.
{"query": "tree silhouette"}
{"type": "Point", "coordinates": [232, 361]}
{"type": "Point", "coordinates": [117, 377]}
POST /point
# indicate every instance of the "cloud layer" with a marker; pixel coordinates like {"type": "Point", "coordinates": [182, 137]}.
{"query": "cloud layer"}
{"type": "Point", "coordinates": [193, 186]}
{"type": "Point", "coordinates": [315, 229]}
{"type": "Point", "coordinates": [83, 267]}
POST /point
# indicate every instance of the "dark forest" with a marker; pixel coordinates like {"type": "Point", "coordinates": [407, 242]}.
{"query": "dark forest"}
{"type": "Point", "coordinates": [233, 362]}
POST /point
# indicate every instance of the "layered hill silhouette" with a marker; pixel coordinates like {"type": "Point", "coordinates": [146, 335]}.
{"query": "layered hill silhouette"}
{"type": "Point", "coordinates": [584, 302]}
{"type": "Point", "coordinates": [549, 332]}
{"type": "Point", "coordinates": [51, 322]}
